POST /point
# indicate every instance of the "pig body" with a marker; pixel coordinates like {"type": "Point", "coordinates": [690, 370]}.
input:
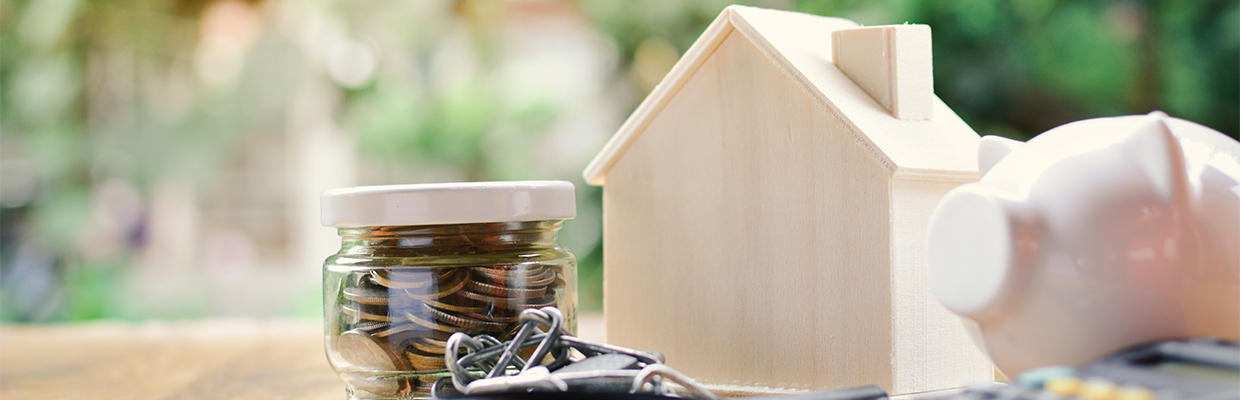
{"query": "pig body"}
{"type": "Point", "coordinates": [1094, 236]}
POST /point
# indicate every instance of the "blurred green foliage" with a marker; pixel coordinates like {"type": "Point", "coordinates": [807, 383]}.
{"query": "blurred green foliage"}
{"type": "Point", "coordinates": [104, 105]}
{"type": "Point", "coordinates": [1019, 68]}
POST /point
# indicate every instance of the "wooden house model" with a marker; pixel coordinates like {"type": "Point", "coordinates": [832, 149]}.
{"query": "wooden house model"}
{"type": "Point", "coordinates": [765, 210]}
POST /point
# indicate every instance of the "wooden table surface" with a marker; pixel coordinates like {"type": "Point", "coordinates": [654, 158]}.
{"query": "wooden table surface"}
{"type": "Point", "coordinates": [206, 359]}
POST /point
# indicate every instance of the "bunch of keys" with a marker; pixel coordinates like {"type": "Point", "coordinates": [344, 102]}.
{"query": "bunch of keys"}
{"type": "Point", "coordinates": [484, 365]}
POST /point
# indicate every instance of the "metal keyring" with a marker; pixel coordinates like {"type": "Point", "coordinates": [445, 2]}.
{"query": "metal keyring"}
{"type": "Point", "coordinates": [483, 364]}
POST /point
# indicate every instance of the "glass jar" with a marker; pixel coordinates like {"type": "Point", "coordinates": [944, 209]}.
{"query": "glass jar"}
{"type": "Point", "coordinates": [420, 262]}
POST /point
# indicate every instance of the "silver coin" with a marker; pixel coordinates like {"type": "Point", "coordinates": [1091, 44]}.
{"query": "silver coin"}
{"type": "Point", "coordinates": [509, 272]}
{"type": "Point", "coordinates": [409, 278]}
{"type": "Point", "coordinates": [496, 316]}
{"type": "Point", "coordinates": [544, 301]}
{"type": "Point", "coordinates": [506, 291]}
{"type": "Point", "coordinates": [541, 279]}
{"type": "Point", "coordinates": [464, 322]}
{"type": "Point", "coordinates": [436, 326]}
{"type": "Point", "coordinates": [359, 348]}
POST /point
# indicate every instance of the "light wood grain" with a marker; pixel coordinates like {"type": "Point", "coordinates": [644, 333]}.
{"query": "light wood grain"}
{"type": "Point", "coordinates": [943, 147]}
{"type": "Point", "coordinates": [233, 359]}
{"type": "Point", "coordinates": [940, 148]}
{"type": "Point", "coordinates": [926, 335]}
{"type": "Point", "coordinates": [731, 248]}
{"type": "Point", "coordinates": [892, 63]}
{"type": "Point", "coordinates": [210, 359]}
{"type": "Point", "coordinates": [763, 227]}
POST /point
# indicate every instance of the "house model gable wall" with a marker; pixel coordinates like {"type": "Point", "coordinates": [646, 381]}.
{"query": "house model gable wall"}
{"type": "Point", "coordinates": [763, 219]}
{"type": "Point", "coordinates": [727, 174]}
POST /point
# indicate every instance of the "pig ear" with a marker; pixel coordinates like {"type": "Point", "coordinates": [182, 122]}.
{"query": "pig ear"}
{"type": "Point", "coordinates": [1158, 153]}
{"type": "Point", "coordinates": [992, 149]}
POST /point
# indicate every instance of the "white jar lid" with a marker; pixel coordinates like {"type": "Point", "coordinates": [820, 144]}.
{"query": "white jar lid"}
{"type": "Point", "coordinates": [448, 203]}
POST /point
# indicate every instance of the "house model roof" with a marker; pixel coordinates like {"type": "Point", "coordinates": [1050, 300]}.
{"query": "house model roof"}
{"type": "Point", "coordinates": [935, 144]}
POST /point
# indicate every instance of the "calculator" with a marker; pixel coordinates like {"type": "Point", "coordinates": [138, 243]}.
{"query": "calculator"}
{"type": "Point", "coordinates": [1191, 369]}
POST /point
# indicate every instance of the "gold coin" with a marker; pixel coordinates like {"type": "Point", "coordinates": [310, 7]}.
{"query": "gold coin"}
{"type": "Point", "coordinates": [425, 362]}
{"type": "Point", "coordinates": [435, 342]}
{"type": "Point", "coordinates": [444, 291]}
{"type": "Point", "coordinates": [423, 390]}
{"type": "Point", "coordinates": [361, 314]}
{"type": "Point", "coordinates": [350, 319]}
{"type": "Point", "coordinates": [431, 376]}
{"type": "Point", "coordinates": [455, 307]}
{"type": "Point", "coordinates": [428, 346]}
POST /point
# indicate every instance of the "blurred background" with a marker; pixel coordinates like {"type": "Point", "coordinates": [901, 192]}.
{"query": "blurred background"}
{"type": "Point", "coordinates": [164, 159]}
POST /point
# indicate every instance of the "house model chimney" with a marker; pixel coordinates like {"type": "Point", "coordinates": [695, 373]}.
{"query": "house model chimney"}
{"type": "Point", "coordinates": [892, 63]}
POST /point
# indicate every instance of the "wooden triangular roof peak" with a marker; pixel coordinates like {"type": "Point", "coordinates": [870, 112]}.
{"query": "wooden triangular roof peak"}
{"type": "Point", "coordinates": [875, 80]}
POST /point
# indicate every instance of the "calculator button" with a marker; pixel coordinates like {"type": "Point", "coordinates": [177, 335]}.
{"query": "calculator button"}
{"type": "Point", "coordinates": [1097, 389]}
{"type": "Point", "coordinates": [1037, 377]}
{"type": "Point", "coordinates": [1064, 386]}
{"type": "Point", "coordinates": [1135, 393]}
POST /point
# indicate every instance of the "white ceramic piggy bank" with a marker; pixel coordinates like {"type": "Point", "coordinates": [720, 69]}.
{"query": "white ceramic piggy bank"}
{"type": "Point", "coordinates": [1094, 236]}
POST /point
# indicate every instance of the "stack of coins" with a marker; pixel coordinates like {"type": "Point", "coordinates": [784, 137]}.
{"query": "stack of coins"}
{"type": "Point", "coordinates": [399, 319]}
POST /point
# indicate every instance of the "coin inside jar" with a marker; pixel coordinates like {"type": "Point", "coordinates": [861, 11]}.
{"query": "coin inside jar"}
{"type": "Point", "coordinates": [359, 348]}
{"type": "Point", "coordinates": [435, 326]}
{"type": "Point", "coordinates": [366, 312]}
{"type": "Point", "coordinates": [543, 301]}
{"type": "Point", "coordinates": [408, 277]}
{"type": "Point", "coordinates": [505, 291]}
{"type": "Point", "coordinates": [373, 296]}
{"type": "Point", "coordinates": [448, 289]}
{"type": "Point", "coordinates": [462, 305]}
{"type": "Point", "coordinates": [464, 322]}
{"type": "Point", "coordinates": [425, 361]}
{"type": "Point", "coordinates": [515, 276]}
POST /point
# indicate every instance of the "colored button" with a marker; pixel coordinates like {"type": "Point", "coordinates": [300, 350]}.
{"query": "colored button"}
{"type": "Point", "coordinates": [1038, 377]}
{"type": "Point", "coordinates": [1098, 389]}
{"type": "Point", "coordinates": [1135, 393]}
{"type": "Point", "coordinates": [1064, 386]}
